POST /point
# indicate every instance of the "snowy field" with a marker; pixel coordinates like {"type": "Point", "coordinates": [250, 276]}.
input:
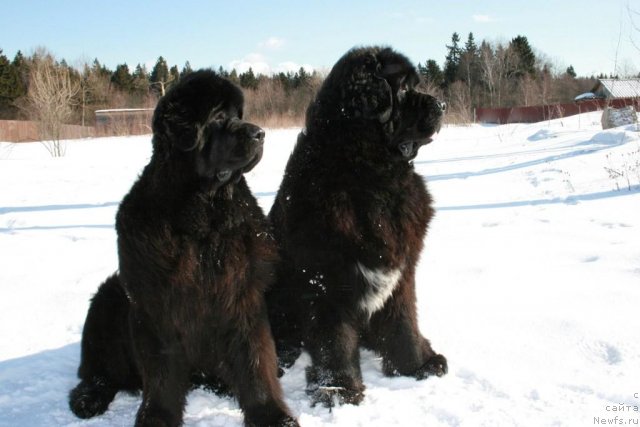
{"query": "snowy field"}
{"type": "Point", "coordinates": [529, 282]}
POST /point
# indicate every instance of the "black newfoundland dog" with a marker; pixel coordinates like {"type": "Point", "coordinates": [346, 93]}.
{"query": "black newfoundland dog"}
{"type": "Point", "coordinates": [350, 217]}
{"type": "Point", "coordinates": [195, 256]}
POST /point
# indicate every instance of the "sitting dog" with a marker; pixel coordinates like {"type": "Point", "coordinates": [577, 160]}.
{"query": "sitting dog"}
{"type": "Point", "coordinates": [195, 256]}
{"type": "Point", "coordinates": [350, 217]}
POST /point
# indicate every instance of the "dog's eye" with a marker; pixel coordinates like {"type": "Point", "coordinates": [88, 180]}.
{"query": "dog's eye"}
{"type": "Point", "coordinates": [220, 117]}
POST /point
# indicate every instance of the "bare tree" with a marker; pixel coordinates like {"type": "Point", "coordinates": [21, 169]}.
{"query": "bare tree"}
{"type": "Point", "coordinates": [426, 86]}
{"type": "Point", "coordinates": [529, 91]}
{"type": "Point", "coordinates": [50, 100]}
{"type": "Point", "coordinates": [494, 64]}
{"type": "Point", "coordinates": [459, 109]}
{"type": "Point", "coordinates": [272, 105]}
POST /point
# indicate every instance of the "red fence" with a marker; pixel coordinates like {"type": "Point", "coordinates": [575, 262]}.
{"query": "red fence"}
{"type": "Point", "coordinates": [540, 113]}
{"type": "Point", "coordinates": [108, 123]}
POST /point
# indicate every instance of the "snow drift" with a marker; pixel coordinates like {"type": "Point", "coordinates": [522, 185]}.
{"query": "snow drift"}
{"type": "Point", "coordinates": [529, 282]}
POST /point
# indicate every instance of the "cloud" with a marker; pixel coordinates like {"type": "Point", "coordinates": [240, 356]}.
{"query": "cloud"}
{"type": "Point", "coordinates": [260, 65]}
{"type": "Point", "coordinates": [256, 61]}
{"type": "Point", "coordinates": [482, 18]}
{"type": "Point", "coordinates": [260, 62]}
{"type": "Point", "coordinates": [272, 43]}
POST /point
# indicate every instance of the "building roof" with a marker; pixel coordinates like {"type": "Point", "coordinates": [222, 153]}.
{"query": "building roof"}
{"type": "Point", "coordinates": [618, 88]}
{"type": "Point", "coordinates": [123, 110]}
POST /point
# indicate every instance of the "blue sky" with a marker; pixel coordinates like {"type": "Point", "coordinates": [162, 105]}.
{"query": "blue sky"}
{"type": "Point", "coordinates": [592, 35]}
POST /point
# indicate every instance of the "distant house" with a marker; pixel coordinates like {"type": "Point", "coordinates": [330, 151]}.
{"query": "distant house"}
{"type": "Point", "coordinates": [617, 88]}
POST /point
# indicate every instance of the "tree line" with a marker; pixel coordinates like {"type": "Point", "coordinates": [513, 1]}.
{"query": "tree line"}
{"type": "Point", "coordinates": [492, 74]}
{"type": "Point", "coordinates": [498, 74]}
{"type": "Point", "coordinates": [280, 99]}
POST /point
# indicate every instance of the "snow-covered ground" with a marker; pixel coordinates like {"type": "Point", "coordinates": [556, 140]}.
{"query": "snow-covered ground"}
{"type": "Point", "coordinates": [529, 282]}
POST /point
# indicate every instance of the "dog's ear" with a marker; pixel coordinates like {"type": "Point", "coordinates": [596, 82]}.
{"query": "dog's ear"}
{"type": "Point", "coordinates": [364, 91]}
{"type": "Point", "coordinates": [173, 122]}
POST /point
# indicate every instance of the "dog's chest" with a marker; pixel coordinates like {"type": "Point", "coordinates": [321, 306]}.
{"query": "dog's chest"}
{"type": "Point", "coordinates": [379, 286]}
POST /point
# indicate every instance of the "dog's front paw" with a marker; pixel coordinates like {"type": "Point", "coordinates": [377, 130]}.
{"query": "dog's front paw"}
{"type": "Point", "coordinates": [435, 365]}
{"type": "Point", "coordinates": [288, 422]}
{"type": "Point", "coordinates": [330, 396]}
{"type": "Point", "coordinates": [326, 387]}
{"type": "Point", "coordinates": [284, 421]}
{"type": "Point", "coordinates": [90, 398]}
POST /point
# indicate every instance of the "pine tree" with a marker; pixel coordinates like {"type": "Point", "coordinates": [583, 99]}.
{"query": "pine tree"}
{"type": "Point", "coordinates": [469, 70]}
{"type": "Point", "coordinates": [159, 76]}
{"type": "Point", "coordinates": [470, 46]}
{"type": "Point", "coordinates": [10, 85]}
{"type": "Point", "coordinates": [285, 80]}
{"type": "Point", "coordinates": [525, 58]}
{"type": "Point", "coordinates": [186, 69]}
{"type": "Point", "coordinates": [140, 79]}
{"type": "Point", "coordinates": [248, 80]}
{"type": "Point", "coordinates": [5, 67]}
{"type": "Point", "coordinates": [222, 72]}
{"type": "Point", "coordinates": [571, 72]}
{"type": "Point", "coordinates": [174, 74]}
{"type": "Point", "coordinates": [301, 78]}
{"type": "Point", "coordinates": [22, 68]}
{"type": "Point", "coordinates": [432, 73]}
{"type": "Point", "coordinates": [233, 76]}
{"type": "Point", "coordinates": [100, 69]}
{"type": "Point", "coordinates": [469, 61]}
{"type": "Point", "coordinates": [452, 60]}
{"type": "Point", "coordinates": [140, 72]}
{"type": "Point", "coordinates": [122, 78]}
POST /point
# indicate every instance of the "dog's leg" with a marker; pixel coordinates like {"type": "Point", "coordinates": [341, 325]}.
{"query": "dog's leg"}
{"type": "Point", "coordinates": [253, 371]}
{"type": "Point", "coordinates": [106, 362]}
{"type": "Point", "coordinates": [165, 375]}
{"type": "Point", "coordinates": [394, 333]}
{"type": "Point", "coordinates": [163, 396]}
{"type": "Point", "coordinates": [283, 318]}
{"type": "Point", "coordinates": [335, 354]}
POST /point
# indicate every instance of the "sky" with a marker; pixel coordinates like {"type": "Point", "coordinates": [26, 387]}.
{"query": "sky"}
{"type": "Point", "coordinates": [594, 36]}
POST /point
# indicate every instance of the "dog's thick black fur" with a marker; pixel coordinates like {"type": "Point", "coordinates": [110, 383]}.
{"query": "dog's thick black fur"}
{"type": "Point", "coordinates": [350, 217]}
{"type": "Point", "coordinates": [196, 255]}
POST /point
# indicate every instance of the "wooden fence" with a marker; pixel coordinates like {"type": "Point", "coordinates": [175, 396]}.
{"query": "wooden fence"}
{"type": "Point", "coordinates": [138, 121]}
{"type": "Point", "coordinates": [27, 131]}
{"type": "Point", "coordinates": [124, 121]}
{"type": "Point", "coordinates": [108, 123]}
{"type": "Point", "coordinates": [538, 113]}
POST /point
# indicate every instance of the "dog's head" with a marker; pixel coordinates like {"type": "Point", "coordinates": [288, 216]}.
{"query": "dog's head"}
{"type": "Point", "coordinates": [378, 86]}
{"type": "Point", "coordinates": [200, 118]}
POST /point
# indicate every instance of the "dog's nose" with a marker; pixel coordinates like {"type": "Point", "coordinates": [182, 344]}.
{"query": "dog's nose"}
{"type": "Point", "coordinates": [258, 135]}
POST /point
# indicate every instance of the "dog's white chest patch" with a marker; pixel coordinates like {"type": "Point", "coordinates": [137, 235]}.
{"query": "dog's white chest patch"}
{"type": "Point", "coordinates": [381, 285]}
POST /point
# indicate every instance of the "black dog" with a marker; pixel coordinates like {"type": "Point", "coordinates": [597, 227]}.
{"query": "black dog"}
{"type": "Point", "coordinates": [350, 217]}
{"type": "Point", "coordinates": [196, 256]}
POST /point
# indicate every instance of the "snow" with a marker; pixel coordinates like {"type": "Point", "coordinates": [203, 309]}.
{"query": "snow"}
{"type": "Point", "coordinates": [586, 95]}
{"type": "Point", "coordinates": [529, 282]}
